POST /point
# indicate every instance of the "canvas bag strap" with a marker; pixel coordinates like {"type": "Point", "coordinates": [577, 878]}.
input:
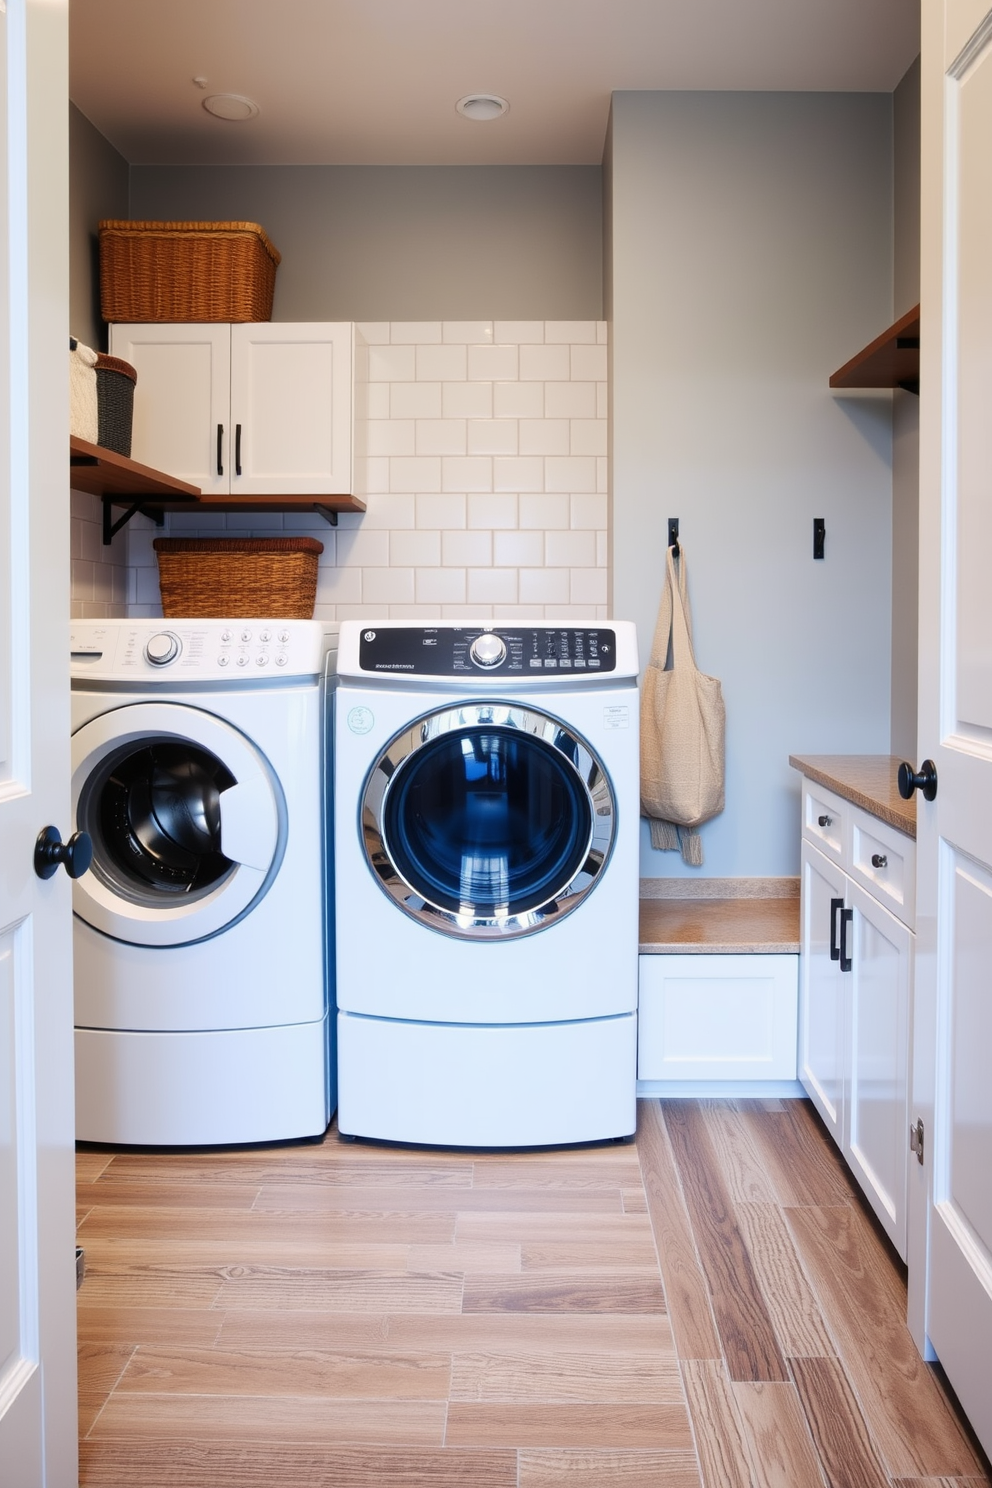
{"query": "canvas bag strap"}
{"type": "Point", "coordinates": [683, 655]}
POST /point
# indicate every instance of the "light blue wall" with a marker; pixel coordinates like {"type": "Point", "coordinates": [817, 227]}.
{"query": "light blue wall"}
{"type": "Point", "coordinates": [751, 255]}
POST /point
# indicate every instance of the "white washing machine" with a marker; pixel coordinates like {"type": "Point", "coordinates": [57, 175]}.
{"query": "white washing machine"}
{"type": "Point", "coordinates": [486, 866]}
{"type": "Point", "coordinates": [201, 936]}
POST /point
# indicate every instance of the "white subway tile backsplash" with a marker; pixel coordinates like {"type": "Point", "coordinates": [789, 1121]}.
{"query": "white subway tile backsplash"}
{"type": "Point", "coordinates": [587, 436]}
{"type": "Point", "coordinates": [391, 437]}
{"type": "Point", "coordinates": [603, 549]}
{"type": "Point", "coordinates": [468, 331]}
{"type": "Point", "coordinates": [543, 586]}
{"type": "Point", "coordinates": [471, 613]}
{"type": "Point", "coordinates": [518, 549]}
{"type": "Point", "coordinates": [566, 400]}
{"type": "Point", "coordinates": [588, 586]}
{"type": "Point", "coordinates": [414, 332]}
{"type": "Point", "coordinates": [467, 400]}
{"type": "Point", "coordinates": [518, 472]}
{"type": "Point", "coordinates": [415, 400]}
{"type": "Point", "coordinates": [574, 473]}
{"type": "Point", "coordinates": [570, 330]}
{"type": "Point", "coordinates": [544, 364]}
{"type": "Point", "coordinates": [588, 363]}
{"type": "Point", "coordinates": [471, 473]}
{"type": "Point", "coordinates": [544, 511]}
{"type": "Point", "coordinates": [602, 402]}
{"type": "Point", "coordinates": [440, 585]}
{"type": "Point", "coordinates": [570, 549]}
{"type": "Point", "coordinates": [496, 509]}
{"type": "Point", "coordinates": [468, 549]}
{"type": "Point", "coordinates": [392, 363]}
{"type": "Point", "coordinates": [385, 586]}
{"type": "Point", "coordinates": [338, 586]}
{"type": "Point", "coordinates": [492, 363]}
{"type": "Point", "coordinates": [376, 474]}
{"type": "Point", "coordinates": [363, 547]}
{"type": "Point", "coordinates": [545, 436]}
{"type": "Point", "coordinates": [415, 549]}
{"type": "Point", "coordinates": [492, 586]}
{"type": "Point", "coordinates": [442, 363]}
{"type": "Point", "coordinates": [519, 400]}
{"type": "Point", "coordinates": [587, 511]}
{"type": "Point", "coordinates": [377, 400]}
{"type": "Point", "coordinates": [441, 437]}
{"type": "Point", "coordinates": [519, 331]}
{"type": "Point", "coordinates": [492, 436]}
{"type": "Point", "coordinates": [422, 473]}
{"type": "Point", "coordinates": [441, 510]}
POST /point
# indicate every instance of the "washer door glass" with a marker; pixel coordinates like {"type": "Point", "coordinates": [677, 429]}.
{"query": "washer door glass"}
{"type": "Point", "coordinates": [187, 821]}
{"type": "Point", "coordinates": [488, 820]}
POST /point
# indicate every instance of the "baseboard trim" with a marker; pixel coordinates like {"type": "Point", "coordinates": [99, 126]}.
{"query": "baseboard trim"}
{"type": "Point", "coordinates": [720, 1089]}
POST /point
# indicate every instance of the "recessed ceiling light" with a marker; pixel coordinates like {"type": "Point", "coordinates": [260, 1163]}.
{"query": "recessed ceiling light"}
{"type": "Point", "coordinates": [233, 106]}
{"type": "Point", "coordinates": [482, 106]}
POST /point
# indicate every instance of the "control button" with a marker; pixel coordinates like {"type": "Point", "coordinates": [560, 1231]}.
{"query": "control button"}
{"type": "Point", "coordinates": [243, 660]}
{"type": "Point", "coordinates": [226, 637]}
{"type": "Point", "coordinates": [550, 661]}
{"type": "Point", "coordinates": [246, 635]}
{"type": "Point", "coordinates": [282, 659]}
{"type": "Point", "coordinates": [262, 659]}
{"type": "Point", "coordinates": [162, 648]}
{"type": "Point", "coordinates": [265, 636]}
{"type": "Point", "coordinates": [284, 636]}
{"type": "Point", "coordinates": [223, 660]}
{"type": "Point", "coordinates": [487, 650]}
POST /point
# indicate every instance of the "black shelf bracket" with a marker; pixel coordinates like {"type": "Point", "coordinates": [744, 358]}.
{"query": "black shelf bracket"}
{"type": "Point", "coordinates": [111, 528]}
{"type": "Point", "coordinates": [673, 534]}
{"type": "Point", "coordinates": [328, 515]}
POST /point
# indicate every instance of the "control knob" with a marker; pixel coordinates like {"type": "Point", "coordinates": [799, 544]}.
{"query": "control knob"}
{"type": "Point", "coordinates": [487, 650]}
{"type": "Point", "coordinates": [162, 648]}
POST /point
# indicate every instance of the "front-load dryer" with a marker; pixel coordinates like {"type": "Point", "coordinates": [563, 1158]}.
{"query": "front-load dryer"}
{"type": "Point", "coordinates": [486, 867]}
{"type": "Point", "coordinates": [202, 931]}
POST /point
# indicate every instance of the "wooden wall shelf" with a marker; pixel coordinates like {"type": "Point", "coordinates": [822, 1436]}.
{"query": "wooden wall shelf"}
{"type": "Point", "coordinates": [119, 481]}
{"type": "Point", "coordinates": [892, 360]}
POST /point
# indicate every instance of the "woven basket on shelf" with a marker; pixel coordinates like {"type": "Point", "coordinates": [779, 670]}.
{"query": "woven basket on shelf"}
{"type": "Point", "coordinates": [115, 381]}
{"type": "Point", "coordinates": [186, 271]}
{"type": "Point", "coordinates": [238, 578]}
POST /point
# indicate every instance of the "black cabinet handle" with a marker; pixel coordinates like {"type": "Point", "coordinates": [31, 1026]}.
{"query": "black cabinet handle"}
{"type": "Point", "coordinates": [925, 780]}
{"type": "Point", "coordinates": [237, 449]}
{"type": "Point", "coordinates": [879, 860]}
{"type": "Point", "coordinates": [835, 905]}
{"type": "Point", "coordinates": [846, 920]}
{"type": "Point", "coordinates": [824, 821]}
{"type": "Point", "coordinates": [49, 851]}
{"type": "Point", "coordinates": [220, 449]}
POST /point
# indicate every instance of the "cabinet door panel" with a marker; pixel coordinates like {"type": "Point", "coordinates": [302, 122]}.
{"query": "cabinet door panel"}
{"type": "Point", "coordinates": [823, 1042]}
{"type": "Point", "coordinates": [291, 396]}
{"type": "Point", "coordinates": [878, 1121]}
{"type": "Point", "coordinates": [181, 397]}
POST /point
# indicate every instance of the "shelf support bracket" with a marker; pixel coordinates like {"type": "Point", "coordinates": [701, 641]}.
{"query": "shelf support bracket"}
{"type": "Point", "coordinates": [327, 514]}
{"type": "Point", "coordinates": [111, 528]}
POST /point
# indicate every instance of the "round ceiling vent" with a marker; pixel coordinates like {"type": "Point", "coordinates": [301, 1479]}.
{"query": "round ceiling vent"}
{"type": "Point", "coordinates": [232, 106]}
{"type": "Point", "coordinates": [482, 106]}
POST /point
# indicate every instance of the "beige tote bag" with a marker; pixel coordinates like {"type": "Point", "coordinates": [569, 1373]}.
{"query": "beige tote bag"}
{"type": "Point", "coordinates": [683, 724]}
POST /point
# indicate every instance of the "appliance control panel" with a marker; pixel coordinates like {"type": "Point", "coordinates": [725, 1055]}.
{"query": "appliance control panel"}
{"type": "Point", "coordinates": [492, 651]}
{"type": "Point", "coordinates": [199, 650]}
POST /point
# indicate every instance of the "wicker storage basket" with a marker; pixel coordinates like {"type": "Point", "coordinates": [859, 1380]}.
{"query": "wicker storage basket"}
{"type": "Point", "coordinates": [237, 578]}
{"type": "Point", "coordinates": [115, 381]}
{"type": "Point", "coordinates": [186, 271]}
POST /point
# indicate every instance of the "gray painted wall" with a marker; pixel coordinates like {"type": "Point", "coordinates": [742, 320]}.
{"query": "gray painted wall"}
{"type": "Point", "coordinates": [906, 423]}
{"type": "Point", "coordinates": [751, 255]}
{"type": "Point", "coordinates": [406, 242]}
{"type": "Point", "coordinates": [98, 187]}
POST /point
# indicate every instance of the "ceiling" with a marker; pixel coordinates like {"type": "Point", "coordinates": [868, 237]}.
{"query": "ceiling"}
{"type": "Point", "coordinates": [375, 82]}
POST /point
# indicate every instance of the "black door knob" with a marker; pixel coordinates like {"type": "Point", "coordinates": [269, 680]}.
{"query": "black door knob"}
{"type": "Point", "coordinates": [925, 781]}
{"type": "Point", "coordinates": [49, 851]}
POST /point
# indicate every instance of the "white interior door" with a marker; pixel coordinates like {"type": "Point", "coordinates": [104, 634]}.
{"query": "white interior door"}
{"type": "Point", "coordinates": [37, 1270]}
{"type": "Point", "coordinates": [953, 1014]}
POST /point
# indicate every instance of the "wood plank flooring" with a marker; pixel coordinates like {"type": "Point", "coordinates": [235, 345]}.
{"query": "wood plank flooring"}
{"type": "Point", "coordinates": [711, 1307]}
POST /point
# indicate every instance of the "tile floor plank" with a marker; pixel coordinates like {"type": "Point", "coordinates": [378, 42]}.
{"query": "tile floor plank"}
{"type": "Point", "coordinates": [489, 1424]}
{"type": "Point", "coordinates": [589, 1469]}
{"type": "Point", "coordinates": [552, 1291]}
{"type": "Point", "coordinates": [720, 1441]}
{"type": "Point", "coordinates": [315, 1197]}
{"type": "Point", "coordinates": [744, 1326]}
{"type": "Point", "coordinates": [914, 1428]}
{"type": "Point", "coordinates": [792, 1307]}
{"type": "Point", "coordinates": [564, 1376]}
{"type": "Point", "coordinates": [318, 1290]}
{"type": "Point", "coordinates": [383, 1374]}
{"type": "Point", "coordinates": [778, 1437]}
{"type": "Point", "coordinates": [271, 1418]}
{"type": "Point", "coordinates": [839, 1429]}
{"type": "Point", "coordinates": [110, 1323]}
{"type": "Point", "coordinates": [686, 1293]}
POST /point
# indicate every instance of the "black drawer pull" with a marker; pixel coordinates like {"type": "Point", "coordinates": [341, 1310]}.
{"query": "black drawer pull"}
{"type": "Point", "coordinates": [835, 905]}
{"type": "Point", "coordinates": [824, 821]}
{"type": "Point", "coordinates": [220, 449]}
{"type": "Point", "coordinates": [846, 919]}
{"type": "Point", "coordinates": [237, 449]}
{"type": "Point", "coordinates": [879, 860]}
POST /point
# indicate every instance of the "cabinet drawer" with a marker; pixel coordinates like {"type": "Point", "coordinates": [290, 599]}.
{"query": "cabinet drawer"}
{"type": "Point", "coordinates": [883, 861]}
{"type": "Point", "coordinates": [825, 819]}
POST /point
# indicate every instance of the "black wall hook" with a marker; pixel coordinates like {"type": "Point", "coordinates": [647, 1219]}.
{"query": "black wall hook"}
{"type": "Point", "coordinates": [673, 534]}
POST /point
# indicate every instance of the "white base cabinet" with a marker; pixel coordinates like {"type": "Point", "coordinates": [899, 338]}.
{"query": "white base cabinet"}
{"type": "Point", "coordinates": [257, 409]}
{"type": "Point", "coordinates": [855, 994]}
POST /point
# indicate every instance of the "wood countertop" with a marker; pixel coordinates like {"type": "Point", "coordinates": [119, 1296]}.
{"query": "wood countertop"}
{"type": "Point", "coordinates": [719, 916]}
{"type": "Point", "coordinates": [866, 780]}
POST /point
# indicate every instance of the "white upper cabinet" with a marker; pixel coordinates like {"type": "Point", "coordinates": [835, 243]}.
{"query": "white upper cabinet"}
{"type": "Point", "coordinates": [259, 409]}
